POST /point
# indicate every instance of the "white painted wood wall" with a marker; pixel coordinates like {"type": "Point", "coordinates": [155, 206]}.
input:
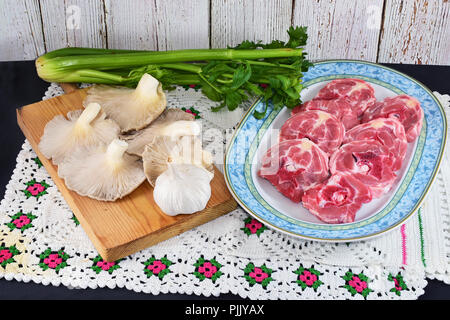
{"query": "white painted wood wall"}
{"type": "Point", "coordinates": [397, 31]}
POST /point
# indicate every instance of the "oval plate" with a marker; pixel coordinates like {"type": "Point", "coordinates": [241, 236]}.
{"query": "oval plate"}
{"type": "Point", "coordinates": [260, 199]}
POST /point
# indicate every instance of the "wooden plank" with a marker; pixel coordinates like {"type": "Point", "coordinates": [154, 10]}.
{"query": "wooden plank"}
{"type": "Point", "coordinates": [68, 87]}
{"type": "Point", "coordinates": [21, 30]}
{"type": "Point", "coordinates": [90, 31]}
{"type": "Point", "coordinates": [131, 24]}
{"type": "Point", "coordinates": [413, 31]}
{"type": "Point", "coordinates": [54, 24]}
{"type": "Point", "coordinates": [237, 20]}
{"type": "Point", "coordinates": [340, 29]}
{"type": "Point", "coordinates": [74, 23]}
{"type": "Point", "coordinates": [182, 24]}
{"type": "Point", "coordinates": [416, 31]}
{"type": "Point", "coordinates": [119, 228]}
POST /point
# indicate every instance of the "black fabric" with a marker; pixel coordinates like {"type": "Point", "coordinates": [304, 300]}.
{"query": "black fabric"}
{"type": "Point", "coordinates": [19, 85]}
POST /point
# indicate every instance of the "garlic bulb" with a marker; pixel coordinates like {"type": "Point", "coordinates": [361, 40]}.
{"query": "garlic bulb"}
{"type": "Point", "coordinates": [182, 189]}
{"type": "Point", "coordinates": [163, 149]}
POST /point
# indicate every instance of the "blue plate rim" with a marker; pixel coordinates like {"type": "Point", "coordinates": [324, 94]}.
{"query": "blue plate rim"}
{"type": "Point", "coordinates": [392, 227]}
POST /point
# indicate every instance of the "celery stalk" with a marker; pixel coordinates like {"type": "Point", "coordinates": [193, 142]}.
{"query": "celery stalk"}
{"type": "Point", "coordinates": [228, 75]}
{"type": "Point", "coordinates": [52, 68]}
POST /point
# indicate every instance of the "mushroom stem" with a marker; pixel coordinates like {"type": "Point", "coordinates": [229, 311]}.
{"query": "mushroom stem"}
{"type": "Point", "coordinates": [115, 151]}
{"type": "Point", "coordinates": [182, 128]}
{"type": "Point", "coordinates": [89, 114]}
{"type": "Point", "coordinates": [147, 88]}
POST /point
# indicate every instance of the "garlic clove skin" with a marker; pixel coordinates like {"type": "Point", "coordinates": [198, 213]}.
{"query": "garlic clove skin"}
{"type": "Point", "coordinates": [182, 189]}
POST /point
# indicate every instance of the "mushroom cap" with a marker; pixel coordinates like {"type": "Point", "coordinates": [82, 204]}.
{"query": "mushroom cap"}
{"type": "Point", "coordinates": [132, 109]}
{"type": "Point", "coordinates": [86, 127]}
{"type": "Point", "coordinates": [139, 139]}
{"type": "Point", "coordinates": [182, 150]}
{"type": "Point", "coordinates": [104, 173]}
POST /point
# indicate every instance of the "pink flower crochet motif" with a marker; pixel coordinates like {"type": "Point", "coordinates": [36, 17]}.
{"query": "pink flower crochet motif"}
{"type": "Point", "coordinates": [258, 274]}
{"type": "Point", "coordinates": [358, 284]}
{"type": "Point", "coordinates": [308, 278]}
{"type": "Point", "coordinates": [5, 254]}
{"type": "Point", "coordinates": [53, 260]}
{"type": "Point", "coordinates": [253, 226]}
{"type": "Point", "coordinates": [105, 265]}
{"type": "Point", "coordinates": [397, 285]}
{"type": "Point", "coordinates": [21, 221]}
{"type": "Point", "coordinates": [156, 267]}
{"type": "Point", "coordinates": [35, 189]}
{"type": "Point", "coordinates": [207, 269]}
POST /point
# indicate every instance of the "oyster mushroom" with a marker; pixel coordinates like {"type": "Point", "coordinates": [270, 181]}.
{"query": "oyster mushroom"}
{"type": "Point", "coordinates": [184, 150]}
{"type": "Point", "coordinates": [132, 109]}
{"type": "Point", "coordinates": [172, 123]}
{"type": "Point", "coordinates": [102, 172]}
{"type": "Point", "coordinates": [83, 128]}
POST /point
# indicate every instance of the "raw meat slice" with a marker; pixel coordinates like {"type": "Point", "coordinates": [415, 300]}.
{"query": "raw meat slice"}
{"type": "Point", "coordinates": [320, 127]}
{"type": "Point", "coordinates": [388, 131]}
{"type": "Point", "coordinates": [338, 199]}
{"type": "Point", "coordinates": [369, 161]}
{"type": "Point", "coordinates": [294, 166]}
{"type": "Point", "coordinates": [340, 108]}
{"type": "Point", "coordinates": [404, 108]}
{"type": "Point", "coordinates": [359, 93]}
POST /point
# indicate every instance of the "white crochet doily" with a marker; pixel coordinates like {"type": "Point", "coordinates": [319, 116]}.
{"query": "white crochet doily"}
{"type": "Point", "coordinates": [41, 241]}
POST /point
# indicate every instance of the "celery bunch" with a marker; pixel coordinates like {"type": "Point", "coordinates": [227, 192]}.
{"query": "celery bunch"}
{"type": "Point", "coordinates": [230, 75]}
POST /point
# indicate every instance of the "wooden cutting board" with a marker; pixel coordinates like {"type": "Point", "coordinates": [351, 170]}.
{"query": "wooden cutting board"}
{"type": "Point", "coordinates": [133, 223]}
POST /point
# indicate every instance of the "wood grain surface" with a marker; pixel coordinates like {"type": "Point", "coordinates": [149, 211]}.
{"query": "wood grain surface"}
{"type": "Point", "coordinates": [119, 228]}
{"type": "Point", "coordinates": [21, 36]}
{"type": "Point", "coordinates": [390, 31]}
{"type": "Point", "coordinates": [340, 29]}
{"type": "Point", "coordinates": [235, 21]}
{"type": "Point", "coordinates": [131, 24]}
{"type": "Point", "coordinates": [75, 23]}
{"type": "Point", "coordinates": [417, 32]}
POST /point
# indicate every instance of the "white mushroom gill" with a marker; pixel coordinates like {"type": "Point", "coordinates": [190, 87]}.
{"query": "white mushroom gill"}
{"type": "Point", "coordinates": [132, 109]}
{"type": "Point", "coordinates": [104, 173]}
{"type": "Point", "coordinates": [82, 128]}
{"type": "Point", "coordinates": [172, 122]}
